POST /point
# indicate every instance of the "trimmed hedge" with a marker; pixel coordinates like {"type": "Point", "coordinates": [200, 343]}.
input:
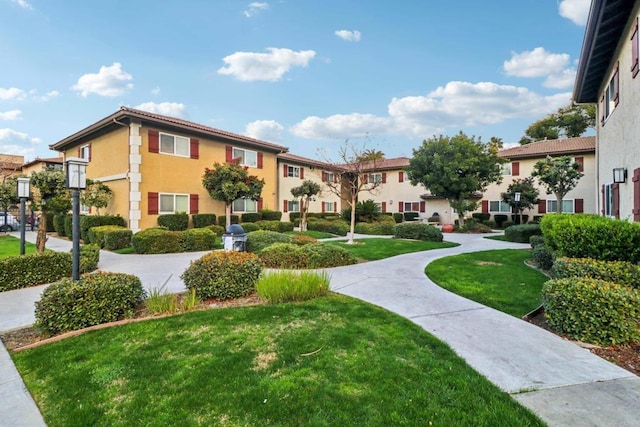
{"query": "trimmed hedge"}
{"type": "Point", "coordinates": [68, 226]}
{"type": "Point", "coordinates": [218, 229]}
{"type": "Point", "coordinates": [269, 215]}
{"type": "Point", "coordinates": [118, 239]}
{"type": "Point", "coordinates": [223, 275]}
{"type": "Point", "coordinates": [337, 227]}
{"type": "Point", "coordinates": [376, 228]}
{"type": "Point", "coordinates": [411, 216]}
{"type": "Point", "coordinates": [620, 272]}
{"type": "Point", "coordinates": [398, 217]}
{"type": "Point", "coordinates": [592, 236]}
{"type": "Point", "coordinates": [315, 255]}
{"type": "Point", "coordinates": [593, 310]}
{"type": "Point", "coordinates": [542, 257]}
{"type": "Point", "coordinates": [89, 258]}
{"type": "Point", "coordinates": [279, 226]}
{"type": "Point", "coordinates": [94, 299]}
{"type": "Point", "coordinates": [22, 271]}
{"type": "Point", "coordinates": [89, 221]}
{"type": "Point", "coordinates": [203, 220]}
{"type": "Point", "coordinates": [536, 241]}
{"type": "Point", "coordinates": [157, 241]}
{"type": "Point", "coordinates": [58, 224]}
{"type": "Point", "coordinates": [481, 217]}
{"type": "Point", "coordinates": [417, 231]}
{"type": "Point", "coordinates": [174, 222]}
{"type": "Point", "coordinates": [96, 234]}
{"type": "Point", "coordinates": [522, 233]}
{"type": "Point", "coordinates": [500, 219]}
{"type": "Point", "coordinates": [249, 226]}
{"type": "Point", "coordinates": [258, 240]}
{"type": "Point", "coordinates": [222, 220]}
{"type": "Point", "coordinates": [251, 217]}
{"type": "Point", "coordinates": [198, 239]}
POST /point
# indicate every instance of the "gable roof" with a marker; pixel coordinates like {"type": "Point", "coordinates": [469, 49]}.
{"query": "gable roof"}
{"type": "Point", "coordinates": [387, 164]}
{"type": "Point", "coordinates": [607, 20]}
{"type": "Point", "coordinates": [126, 115]}
{"type": "Point", "coordinates": [581, 144]}
{"type": "Point", "coordinates": [302, 160]}
{"type": "Point", "coordinates": [57, 160]}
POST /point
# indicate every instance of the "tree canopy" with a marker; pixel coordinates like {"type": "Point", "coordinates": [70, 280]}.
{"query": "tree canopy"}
{"type": "Point", "coordinates": [558, 175]}
{"type": "Point", "coordinates": [97, 195]}
{"type": "Point", "coordinates": [305, 192]}
{"type": "Point", "coordinates": [50, 196]}
{"type": "Point", "coordinates": [455, 168]}
{"type": "Point", "coordinates": [528, 194]}
{"type": "Point", "coordinates": [570, 121]}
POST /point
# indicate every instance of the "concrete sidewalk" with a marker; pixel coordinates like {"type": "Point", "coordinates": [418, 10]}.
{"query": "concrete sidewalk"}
{"type": "Point", "coordinates": [563, 383]}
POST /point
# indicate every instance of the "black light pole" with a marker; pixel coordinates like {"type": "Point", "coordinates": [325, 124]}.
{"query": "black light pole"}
{"type": "Point", "coordinates": [23, 194]}
{"type": "Point", "coordinates": [517, 197]}
{"type": "Point", "coordinates": [76, 181]}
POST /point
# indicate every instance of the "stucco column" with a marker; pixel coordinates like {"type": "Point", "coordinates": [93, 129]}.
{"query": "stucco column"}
{"type": "Point", "coordinates": [135, 160]}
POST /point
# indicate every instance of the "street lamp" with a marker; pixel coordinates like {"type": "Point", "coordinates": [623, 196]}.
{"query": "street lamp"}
{"type": "Point", "coordinates": [517, 198]}
{"type": "Point", "coordinates": [23, 194]}
{"type": "Point", "coordinates": [76, 181]}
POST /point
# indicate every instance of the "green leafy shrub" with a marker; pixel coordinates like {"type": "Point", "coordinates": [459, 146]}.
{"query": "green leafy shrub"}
{"type": "Point", "coordinates": [279, 226]}
{"type": "Point", "coordinates": [94, 299]}
{"type": "Point", "coordinates": [418, 231]}
{"type": "Point", "coordinates": [500, 219]}
{"type": "Point", "coordinates": [258, 240]}
{"type": "Point", "coordinates": [288, 286]}
{"type": "Point", "coordinates": [366, 211]}
{"type": "Point", "coordinates": [593, 310]}
{"type": "Point", "coordinates": [223, 275]}
{"type": "Point", "coordinates": [480, 217]}
{"type": "Point", "coordinates": [398, 217]}
{"type": "Point", "coordinates": [282, 255]}
{"type": "Point", "coordinates": [376, 228]}
{"type": "Point", "coordinates": [536, 240]}
{"type": "Point", "coordinates": [301, 239]}
{"type": "Point", "coordinates": [68, 226]}
{"type": "Point", "coordinates": [198, 239]}
{"type": "Point", "coordinates": [203, 220]}
{"type": "Point", "coordinates": [251, 217]}
{"type": "Point", "coordinates": [620, 272]}
{"type": "Point", "coordinates": [522, 233]}
{"type": "Point", "coordinates": [472, 226]}
{"type": "Point", "coordinates": [222, 220]}
{"type": "Point", "coordinates": [174, 222]}
{"type": "Point", "coordinates": [515, 218]}
{"type": "Point", "coordinates": [269, 215]}
{"type": "Point", "coordinates": [89, 258]}
{"type": "Point", "coordinates": [491, 224]}
{"type": "Point", "coordinates": [49, 225]}
{"type": "Point", "coordinates": [218, 229]}
{"type": "Point", "coordinates": [592, 236]}
{"type": "Point", "coordinates": [507, 224]}
{"type": "Point", "coordinates": [318, 255]}
{"type": "Point", "coordinates": [96, 234]}
{"type": "Point", "coordinates": [157, 241]}
{"type": "Point", "coordinates": [249, 226]}
{"type": "Point", "coordinates": [337, 227]}
{"type": "Point", "coordinates": [536, 219]}
{"type": "Point", "coordinates": [22, 271]}
{"type": "Point", "coordinates": [117, 239]}
{"type": "Point", "coordinates": [58, 224]}
{"type": "Point", "coordinates": [89, 221]}
{"type": "Point", "coordinates": [542, 257]}
{"type": "Point", "coordinates": [411, 216]}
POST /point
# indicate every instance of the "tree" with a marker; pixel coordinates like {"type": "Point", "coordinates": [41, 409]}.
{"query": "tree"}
{"type": "Point", "coordinates": [455, 168]}
{"type": "Point", "coordinates": [97, 195]}
{"type": "Point", "coordinates": [371, 155]}
{"type": "Point", "coordinates": [50, 197]}
{"type": "Point", "coordinates": [8, 195]}
{"type": "Point", "coordinates": [305, 192]}
{"type": "Point", "coordinates": [228, 182]}
{"type": "Point", "coordinates": [570, 121]}
{"type": "Point", "coordinates": [558, 175]}
{"type": "Point", "coordinates": [352, 176]}
{"type": "Point", "coordinates": [528, 195]}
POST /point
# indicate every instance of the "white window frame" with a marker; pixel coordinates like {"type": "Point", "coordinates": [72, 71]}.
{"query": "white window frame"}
{"type": "Point", "coordinates": [174, 152]}
{"type": "Point", "coordinates": [293, 171]}
{"type": "Point", "coordinates": [411, 205]}
{"type": "Point", "coordinates": [163, 212]}
{"type": "Point", "coordinates": [244, 206]}
{"type": "Point", "coordinates": [328, 207]}
{"type": "Point", "coordinates": [293, 205]}
{"type": "Point", "coordinates": [330, 177]}
{"type": "Point", "coordinates": [554, 202]}
{"type": "Point", "coordinates": [84, 152]}
{"type": "Point", "coordinates": [375, 178]}
{"type": "Point", "coordinates": [610, 95]}
{"type": "Point", "coordinates": [500, 206]}
{"type": "Point", "coordinates": [85, 209]}
{"type": "Point", "coordinates": [241, 153]}
{"type": "Point", "coordinates": [608, 201]}
{"type": "Point", "coordinates": [507, 169]}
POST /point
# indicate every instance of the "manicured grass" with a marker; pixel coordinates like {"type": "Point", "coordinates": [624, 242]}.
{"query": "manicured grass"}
{"type": "Point", "coordinates": [497, 279]}
{"type": "Point", "coordinates": [379, 248]}
{"type": "Point", "coordinates": [125, 251]}
{"type": "Point", "coordinates": [330, 361]}
{"type": "Point", "coordinates": [314, 234]}
{"type": "Point", "coordinates": [501, 237]}
{"type": "Point", "coordinates": [10, 246]}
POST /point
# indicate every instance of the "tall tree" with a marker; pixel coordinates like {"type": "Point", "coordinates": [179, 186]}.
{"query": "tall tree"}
{"type": "Point", "coordinates": [8, 195]}
{"type": "Point", "coordinates": [305, 192]}
{"type": "Point", "coordinates": [570, 121]}
{"type": "Point", "coordinates": [371, 155]}
{"type": "Point", "coordinates": [50, 197]}
{"type": "Point", "coordinates": [558, 175]}
{"type": "Point", "coordinates": [97, 195]}
{"type": "Point", "coordinates": [528, 195]}
{"type": "Point", "coordinates": [455, 168]}
{"type": "Point", "coordinates": [228, 182]}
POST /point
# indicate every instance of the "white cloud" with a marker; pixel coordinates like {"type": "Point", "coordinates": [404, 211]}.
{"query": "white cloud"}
{"type": "Point", "coordinates": [155, 91]}
{"type": "Point", "coordinates": [173, 109]}
{"type": "Point", "coordinates": [109, 81]}
{"type": "Point", "coordinates": [11, 93]}
{"type": "Point", "coordinates": [12, 136]}
{"type": "Point", "coordinates": [267, 130]}
{"type": "Point", "coordinates": [562, 80]}
{"type": "Point", "coordinates": [251, 66]}
{"type": "Point", "coordinates": [341, 126]}
{"type": "Point", "coordinates": [255, 7]}
{"type": "Point", "coordinates": [575, 10]}
{"type": "Point", "coordinates": [351, 36]}
{"type": "Point", "coordinates": [535, 63]}
{"type": "Point", "coordinates": [47, 96]}
{"type": "Point", "coordinates": [23, 4]}
{"type": "Point", "coordinates": [10, 115]}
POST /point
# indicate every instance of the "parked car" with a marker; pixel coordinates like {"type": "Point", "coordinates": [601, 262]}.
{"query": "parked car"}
{"type": "Point", "coordinates": [11, 223]}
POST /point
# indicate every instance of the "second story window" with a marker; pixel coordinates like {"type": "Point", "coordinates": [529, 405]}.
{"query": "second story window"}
{"type": "Point", "coordinates": [85, 152]}
{"type": "Point", "coordinates": [611, 96]}
{"type": "Point", "coordinates": [293, 171]}
{"type": "Point", "coordinates": [175, 145]}
{"type": "Point", "coordinates": [246, 157]}
{"type": "Point", "coordinates": [375, 178]}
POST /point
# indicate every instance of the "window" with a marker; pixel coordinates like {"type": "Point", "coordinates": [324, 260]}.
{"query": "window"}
{"type": "Point", "coordinates": [506, 169]}
{"type": "Point", "coordinates": [293, 171]}
{"type": "Point", "coordinates": [84, 209]}
{"type": "Point", "coordinates": [611, 96]}
{"type": "Point", "coordinates": [375, 178]}
{"type": "Point", "coordinates": [245, 205]}
{"type": "Point", "coordinates": [173, 203]}
{"type": "Point", "coordinates": [328, 177]}
{"type": "Point", "coordinates": [293, 206]}
{"type": "Point", "coordinates": [567, 206]}
{"type": "Point", "coordinates": [85, 153]}
{"type": "Point", "coordinates": [499, 206]}
{"type": "Point", "coordinates": [411, 207]}
{"type": "Point", "coordinates": [328, 207]}
{"type": "Point", "coordinates": [246, 158]}
{"type": "Point", "coordinates": [608, 200]}
{"type": "Point", "coordinates": [175, 145]}
{"type": "Point", "coordinates": [634, 51]}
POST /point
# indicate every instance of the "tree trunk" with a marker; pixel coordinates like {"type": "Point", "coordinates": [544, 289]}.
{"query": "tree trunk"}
{"type": "Point", "coordinates": [41, 237]}
{"type": "Point", "coordinates": [227, 210]}
{"type": "Point", "coordinates": [352, 226]}
{"type": "Point", "coordinates": [303, 221]}
{"type": "Point", "coordinates": [460, 219]}
{"type": "Point", "coordinates": [559, 201]}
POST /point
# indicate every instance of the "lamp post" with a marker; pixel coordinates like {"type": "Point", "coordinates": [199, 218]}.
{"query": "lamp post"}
{"type": "Point", "coordinates": [517, 198]}
{"type": "Point", "coordinates": [23, 194]}
{"type": "Point", "coordinates": [76, 181]}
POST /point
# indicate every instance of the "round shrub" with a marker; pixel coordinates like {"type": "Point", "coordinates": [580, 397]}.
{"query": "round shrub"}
{"type": "Point", "coordinates": [522, 233]}
{"type": "Point", "coordinates": [398, 217]}
{"type": "Point", "coordinates": [217, 229]}
{"type": "Point", "coordinates": [174, 222]}
{"type": "Point", "coordinates": [117, 239]}
{"type": "Point", "coordinates": [376, 228]}
{"type": "Point", "coordinates": [258, 240]}
{"type": "Point", "coordinates": [157, 241]}
{"type": "Point", "coordinates": [542, 257]}
{"type": "Point", "coordinates": [536, 241]}
{"type": "Point", "coordinates": [592, 310]}
{"type": "Point", "coordinates": [223, 275]}
{"type": "Point", "coordinates": [198, 239]}
{"type": "Point", "coordinates": [202, 220]}
{"type": "Point", "coordinates": [283, 255]}
{"type": "Point", "coordinates": [318, 255]}
{"type": "Point", "coordinates": [417, 231]}
{"type": "Point", "coordinates": [620, 272]}
{"type": "Point", "coordinates": [301, 239]}
{"type": "Point", "coordinates": [473, 226]}
{"type": "Point", "coordinates": [94, 299]}
{"type": "Point", "coordinates": [249, 226]}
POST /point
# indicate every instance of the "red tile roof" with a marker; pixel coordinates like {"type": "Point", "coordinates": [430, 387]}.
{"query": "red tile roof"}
{"type": "Point", "coordinates": [57, 160]}
{"type": "Point", "coordinates": [302, 160]}
{"type": "Point", "coordinates": [387, 164]}
{"type": "Point", "coordinates": [582, 144]}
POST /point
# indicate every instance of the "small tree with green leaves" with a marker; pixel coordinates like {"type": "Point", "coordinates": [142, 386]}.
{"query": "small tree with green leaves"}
{"type": "Point", "coordinates": [228, 182]}
{"type": "Point", "coordinates": [305, 192]}
{"type": "Point", "coordinates": [97, 195]}
{"type": "Point", "coordinates": [528, 195]}
{"type": "Point", "coordinates": [50, 197]}
{"type": "Point", "coordinates": [558, 175]}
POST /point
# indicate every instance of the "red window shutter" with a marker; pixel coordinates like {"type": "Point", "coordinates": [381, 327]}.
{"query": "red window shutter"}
{"type": "Point", "coordinates": [301, 173]}
{"type": "Point", "coordinates": [285, 206]}
{"type": "Point", "coordinates": [602, 111]}
{"type": "Point", "coordinates": [515, 168]}
{"type": "Point", "coordinates": [154, 141]}
{"type": "Point", "coordinates": [228, 153]}
{"type": "Point", "coordinates": [365, 178]}
{"type": "Point", "coordinates": [542, 206]}
{"type": "Point", "coordinates": [580, 161]}
{"type": "Point", "coordinates": [285, 169]}
{"type": "Point", "coordinates": [485, 206]}
{"type": "Point", "coordinates": [89, 152]}
{"type": "Point", "coordinates": [260, 160]}
{"type": "Point", "coordinates": [195, 148]}
{"type": "Point", "coordinates": [634, 51]}
{"type": "Point", "coordinates": [193, 203]}
{"type": "Point", "coordinates": [324, 176]}
{"type": "Point", "coordinates": [616, 200]}
{"type": "Point", "coordinates": [335, 206]}
{"type": "Point", "coordinates": [384, 207]}
{"type": "Point", "coordinates": [260, 204]}
{"type": "Point", "coordinates": [89, 209]}
{"type": "Point", "coordinates": [578, 205]}
{"type": "Point", "coordinates": [422, 207]}
{"type": "Point", "coordinates": [323, 204]}
{"type": "Point", "coordinates": [401, 176]}
{"type": "Point", "coordinates": [636, 194]}
{"type": "Point", "coordinates": [152, 202]}
{"type": "Point", "coordinates": [602, 210]}
{"type": "Point", "coordinates": [79, 152]}
{"type": "Point", "coordinates": [400, 207]}
{"type": "Point", "coordinates": [384, 178]}
{"type": "Point", "coordinates": [616, 85]}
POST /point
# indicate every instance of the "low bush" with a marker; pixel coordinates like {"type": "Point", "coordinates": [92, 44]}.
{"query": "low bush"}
{"type": "Point", "coordinates": [203, 220]}
{"type": "Point", "coordinates": [58, 224]}
{"type": "Point", "coordinates": [318, 255]}
{"type": "Point", "coordinates": [536, 219]}
{"type": "Point", "coordinates": [94, 299]}
{"type": "Point", "coordinates": [620, 272]}
{"type": "Point", "coordinates": [515, 218]}
{"type": "Point", "coordinates": [376, 228]}
{"type": "Point", "coordinates": [198, 239]}
{"type": "Point", "coordinates": [258, 240]}
{"type": "Point", "coordinates": [480, 217]}
{"type": "Point", "coordinates": [68, 226]}
{"type": "Point", "coordinates": [411, 216]}
{"type": "Point", "coordinates": [223, 275]}
{"type": "Point", "coordinates": [398, 217]}
{"type": "Point", "coordinates": [418, 231]}
{"type": "Point", "coordinates": [117, 239]}
{"type": "Point", "coordinates": [96, 234]}
{"type": "Point", "coordinates": [301, 239]}
{"type": "Point", "coordinates": [279, 226]}
{"type": "Point", "coordinates": [522, 233]}
{"type": "Point", "coordinates": [89, 258]}
{"type": "Point", "coordinates": [490, 223]}
{"type": "Point", "coordinates": [542, 257]}
{"type": "Point", "coordinates": [288, 286]}
{"type": "Point", "coordinates": [593, 310]}
{"type": "Point", "coordinates": [222, 220]}
{"type": "Point", "coordinates": [500, 219]}
{"type": "Point", "coordinates": [89, 221]}
{"type": "Point", "coordinates": [472, 226]}
{"type": "Point", "coordinates": [49, 224]}
{"type": "Point", "coordinates": [269, 215]}
{"type": "Point", "coordinates": [218, 229]}
{"type": "Point", "coordinates": [174, 222]}
{"type": "Point", "coordinates": [251, 217]}
{"type": "Point", "coordinates": [249, 226]}
{"type": "Point", "coordinates": [337, 227]}
{"type": "Point", "coordinates": [536, 240]}
{"type": "Point", "coordinates": [22, 271]}
{"type": "Point", "coordinates": [507, 224]}
{"type": "Point", "coordinates": [157, 241]}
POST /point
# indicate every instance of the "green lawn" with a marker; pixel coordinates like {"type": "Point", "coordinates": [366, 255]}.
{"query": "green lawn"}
{"type": "Point", "coordinates": [331, 361]}
{"type": "Point", "coordinates": [500, 237]}
{"type": "Point", "coordinates": [10, 246]}
{"type": "Point", "coordinates": [379, 248]}
{"type": "Point", "coordinates": [314, 234]}
{"type": "Point", "coordinates": [498, 279]}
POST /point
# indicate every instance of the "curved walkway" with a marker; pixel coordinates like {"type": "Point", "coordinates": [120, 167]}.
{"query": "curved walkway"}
{"type": "Point", "coordinates": [563, 383]}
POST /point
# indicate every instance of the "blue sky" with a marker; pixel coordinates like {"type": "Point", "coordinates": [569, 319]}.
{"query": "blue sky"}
{"type": "Point", "coordinates": [305, 74]}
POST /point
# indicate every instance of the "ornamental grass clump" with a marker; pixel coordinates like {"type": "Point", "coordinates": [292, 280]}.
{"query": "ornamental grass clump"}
{"type": "Point", "coordinates": [223, 275]}
{"type": "Point", "coordinates": [289, 286]}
